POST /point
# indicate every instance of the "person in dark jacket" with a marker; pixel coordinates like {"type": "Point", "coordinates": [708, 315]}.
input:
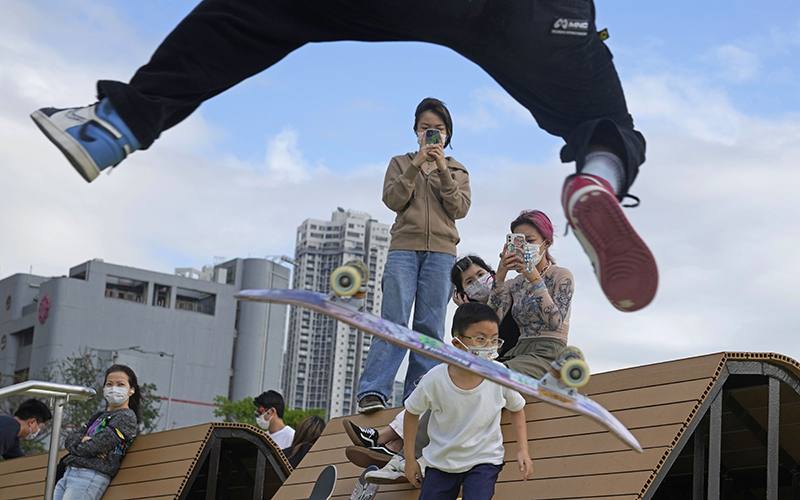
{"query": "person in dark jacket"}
{"type": "Point", "coordinates": [26, 423]}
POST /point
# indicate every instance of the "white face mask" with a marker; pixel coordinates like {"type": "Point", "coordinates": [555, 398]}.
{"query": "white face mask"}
{"type": "Point", "coordinates": [480, 289]}
{"type": "Point", "coordinates": [32, 435]}
{"type": "Point", "coordinates": [487, 352]}
{"type": "Point", "coordinates": [116, 396]}
{"type": "Point", "coordinates": [421, 137]}
{"type": "Point", "coordinates": [263, 422]}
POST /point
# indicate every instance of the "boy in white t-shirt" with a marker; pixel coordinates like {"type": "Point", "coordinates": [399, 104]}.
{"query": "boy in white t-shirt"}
{"type": "Point", "coordinates": [466, 445]}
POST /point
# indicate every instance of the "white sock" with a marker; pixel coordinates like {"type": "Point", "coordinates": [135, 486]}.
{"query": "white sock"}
{"type": "Point", "coordinates": [607, 166]}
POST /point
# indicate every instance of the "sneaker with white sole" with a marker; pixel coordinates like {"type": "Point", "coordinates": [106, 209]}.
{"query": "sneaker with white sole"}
{"type": "Point", "coordinates": [623, 264]}
{"type": "Point", "coordinates": [359, 435]}
{"type": "Point", "coordinates": [92, 138]}
{"type": "Point", "coordinates": [395, 471]}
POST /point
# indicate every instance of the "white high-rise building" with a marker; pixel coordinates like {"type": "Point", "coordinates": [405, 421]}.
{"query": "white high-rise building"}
{"type": "Point", "coordinates": [324, 357]}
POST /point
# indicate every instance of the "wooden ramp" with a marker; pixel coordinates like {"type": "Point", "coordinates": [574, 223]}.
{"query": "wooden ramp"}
{"type": "Point", "coordinates": [739, 411]}
{"type": "Point", "coordinates": [196, 462]}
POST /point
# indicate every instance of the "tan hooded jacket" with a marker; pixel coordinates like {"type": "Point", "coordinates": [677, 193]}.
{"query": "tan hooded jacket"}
{"type": "Point", "coordinates": [426, 207]}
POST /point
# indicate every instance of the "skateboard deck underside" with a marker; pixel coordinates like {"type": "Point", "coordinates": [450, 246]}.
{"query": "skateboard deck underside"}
{"type": "Point", "coordinates": [404, 337]}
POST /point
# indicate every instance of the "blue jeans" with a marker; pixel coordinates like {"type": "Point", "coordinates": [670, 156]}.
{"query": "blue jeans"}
{"type": "Point", "coordinates": [478, 483]}
{"type": "Point", "coordinates": [410, 278]}
{"type": "Point", "coordinates": [81, 484]}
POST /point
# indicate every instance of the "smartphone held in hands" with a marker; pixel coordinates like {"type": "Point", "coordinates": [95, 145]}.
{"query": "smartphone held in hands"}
{"type": "Point", "coordinates": [432, 137]}
{"type": "Point", "coordinates": [515, 243]}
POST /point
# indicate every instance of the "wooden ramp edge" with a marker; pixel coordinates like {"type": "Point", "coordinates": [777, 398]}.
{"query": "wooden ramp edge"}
{"type": "Point", "coordinates": [157, 465]}
{"type": "Point", "coordinates": [574, 458]}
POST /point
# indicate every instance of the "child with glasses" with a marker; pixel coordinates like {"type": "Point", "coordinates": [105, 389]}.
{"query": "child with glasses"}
{"type": "Point", "coordinates": [466, 444]}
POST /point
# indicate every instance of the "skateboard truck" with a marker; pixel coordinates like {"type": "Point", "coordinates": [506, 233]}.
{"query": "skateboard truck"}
{"type": "Point", "coordinates": [567, 372]}
{"type": "Point", "coordinates": [349, 285]}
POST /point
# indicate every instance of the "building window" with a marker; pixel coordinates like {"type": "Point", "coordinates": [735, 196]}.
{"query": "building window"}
{"type": "Point", "coordinates": [25, 337]}
{"type": "Point", "coordinates": [194, 300]}
{"type": "Point", "coordinates": [21, 375]}
{"type": "Point", "coordinates": [126, 289]}
{"type": "Point", "coordinates": [230, 275]}
{"type": "Point", "coordinates": [161, 295]}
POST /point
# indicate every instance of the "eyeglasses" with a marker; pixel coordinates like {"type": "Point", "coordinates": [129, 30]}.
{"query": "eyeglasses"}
{"type": "Point", "coordinates": [482, 342]}
{"type": "Point", "coordinates": [260, 411]}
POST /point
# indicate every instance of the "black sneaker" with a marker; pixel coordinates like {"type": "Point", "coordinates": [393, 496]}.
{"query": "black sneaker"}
{"type": "Point", "coordinates": [364, 457]}
{"type": "Point", "coordinates": [359, 435]}
{"type": "Point", "coordinates": [370, 404]}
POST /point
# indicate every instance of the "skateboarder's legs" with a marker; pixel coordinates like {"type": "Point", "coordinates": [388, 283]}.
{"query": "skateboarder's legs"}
{"type": "Point", "coordinates": [568, 82]}
{"type": "Point", "coordinates": [545, 53]}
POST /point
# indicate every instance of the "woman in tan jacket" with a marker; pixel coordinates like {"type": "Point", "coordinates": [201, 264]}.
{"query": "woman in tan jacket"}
{"type": "Point", "coordinates": [428, 192]}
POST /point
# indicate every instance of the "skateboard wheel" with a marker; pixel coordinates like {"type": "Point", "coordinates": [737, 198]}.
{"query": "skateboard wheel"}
{"type": "Point", "coordinates": [345, 281]}
{"type": "Point", "coordinates": [361, 266]}
{"type": "Point", "coordinates": [575, 373]}
{"type": "Point", "coordinates": [569, 352]}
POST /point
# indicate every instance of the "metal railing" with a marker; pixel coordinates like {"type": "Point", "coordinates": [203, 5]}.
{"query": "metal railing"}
{"type": "Point", "coordinates": [62, 394]}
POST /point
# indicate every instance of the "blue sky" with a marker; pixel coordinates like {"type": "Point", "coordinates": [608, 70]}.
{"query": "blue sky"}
{"type": "Point", "coordinates": [713, 86]}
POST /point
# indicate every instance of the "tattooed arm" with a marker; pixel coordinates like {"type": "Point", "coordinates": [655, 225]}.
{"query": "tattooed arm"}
{"type": "Point", "coordinates": [557, 298]}
{"type": "Point", "coordinates": [550, 299]}
{"type": "Point", "coordinates": [500, 299]}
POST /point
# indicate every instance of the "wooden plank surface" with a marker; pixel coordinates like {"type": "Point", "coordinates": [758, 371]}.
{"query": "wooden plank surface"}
{"type": "Point", "coordinates": [170, 438]}
{"type": "Point", "coordinates": [161, 455]}
{"type": "Point", "coordinates": [160, 487]}
{"type": "Point", "coordinates": [652, 375]}
{"type": "Point", "coordinates": [128, 475]}
{"type": "Point", "coordinates": [38, 461]}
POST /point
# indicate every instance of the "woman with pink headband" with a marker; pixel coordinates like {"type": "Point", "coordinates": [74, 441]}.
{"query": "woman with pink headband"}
{"type": "Point", "coordinates": [539, 298]}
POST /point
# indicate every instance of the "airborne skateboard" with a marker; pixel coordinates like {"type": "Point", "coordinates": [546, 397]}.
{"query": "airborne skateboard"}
{"type": "Point", "coordinates": [363, 489]}
{"type": "Point", "coordinates": [325, 484]}
{"type": "Point", "coordinates": [346, 303]}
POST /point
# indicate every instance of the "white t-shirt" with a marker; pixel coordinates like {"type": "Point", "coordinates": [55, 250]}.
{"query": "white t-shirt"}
{"type": "Point", "coordinates": [465, 424]}
{"type": "Point", "coordinates": [283, 438]}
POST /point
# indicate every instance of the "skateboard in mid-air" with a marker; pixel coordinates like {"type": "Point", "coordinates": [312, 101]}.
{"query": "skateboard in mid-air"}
{"type": "Point", "coordinates": [325, 484]}
{"type": "Point", "coordinates": [346, 302]}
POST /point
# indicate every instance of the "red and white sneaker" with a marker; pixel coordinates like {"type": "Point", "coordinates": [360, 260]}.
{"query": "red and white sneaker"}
{"type": "Point", "coordinates": [622, 262]}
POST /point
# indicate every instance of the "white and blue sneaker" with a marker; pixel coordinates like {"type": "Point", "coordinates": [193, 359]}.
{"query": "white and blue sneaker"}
{"type": "Point", "coordinates": [92, 138]}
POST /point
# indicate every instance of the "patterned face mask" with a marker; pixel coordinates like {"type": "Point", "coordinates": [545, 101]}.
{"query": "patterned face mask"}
{"type": "Point", "coordinates": [479, 290]}
{"type": "Point", "coordinates": [486, 352]}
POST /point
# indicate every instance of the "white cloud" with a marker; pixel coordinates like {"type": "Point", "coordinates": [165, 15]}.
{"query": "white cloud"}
{"type": "Point", "coordinates": [492, 106]}
{"type": "Point", "coordinates": [734, 63]}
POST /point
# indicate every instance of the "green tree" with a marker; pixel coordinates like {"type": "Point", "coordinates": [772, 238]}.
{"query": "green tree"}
{"type": "Point", "coordinates": [235, 411]}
